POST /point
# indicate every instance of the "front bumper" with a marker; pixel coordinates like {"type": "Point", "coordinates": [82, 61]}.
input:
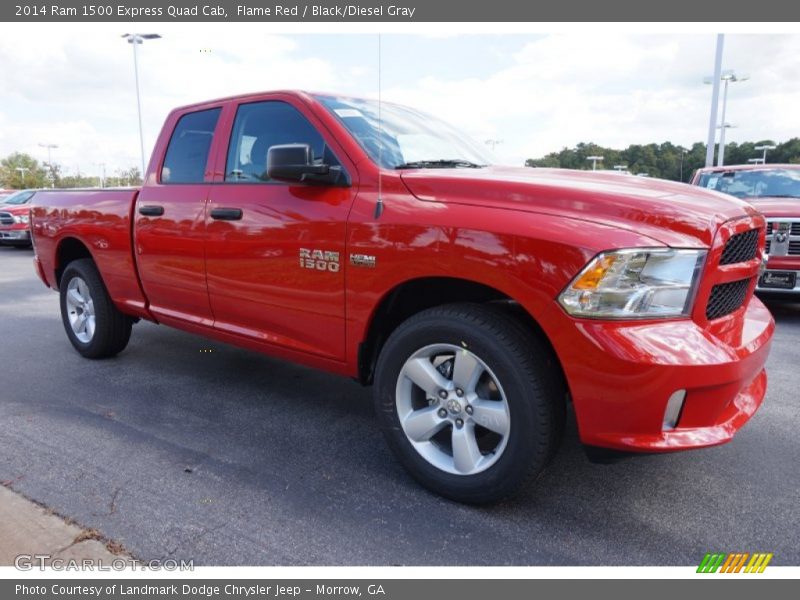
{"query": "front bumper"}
{"type": "Point", "coordinates": [622, 374]}
{"type": "Point", "coordinates": [15, 235]}
{"type": "Point", "coordinates": [782, 264]}
{"type": "Point", "coordinates": [776, 290]}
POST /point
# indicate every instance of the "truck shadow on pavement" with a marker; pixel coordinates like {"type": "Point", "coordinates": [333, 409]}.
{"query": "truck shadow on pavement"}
{"type": "Point", "coordinates": [785, 310]}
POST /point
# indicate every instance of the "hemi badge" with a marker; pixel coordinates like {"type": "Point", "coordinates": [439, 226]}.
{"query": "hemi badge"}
{"type": "Point", "coordinates": [363, 260]}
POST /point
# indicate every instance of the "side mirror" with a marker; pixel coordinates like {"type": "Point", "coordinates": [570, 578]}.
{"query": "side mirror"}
{"type": "Point", "coordinates": [292, 162]}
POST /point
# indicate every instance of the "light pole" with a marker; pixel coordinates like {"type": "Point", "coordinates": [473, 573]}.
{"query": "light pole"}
{"type": "Point", "coordinates": [594, 160]}
{"type": "Point", "coordinates": [493, 143]}
{"type": "Point", "coordinates": [765, 147]}
{"type": "Point", "coordinates": [22, 171]}
{"type": "Point", "coordinates": [712, 121]}
{"type": "Point", "coordinates": [683, 155]}
{"type": "Point", "coordinates": [728, 77]}
{"type": "Point", "coordinates": [50, 147]}
{"type": "Point", "coordinates": [136, 39]}
{"type": "Point", "coordinates": [102, 174]}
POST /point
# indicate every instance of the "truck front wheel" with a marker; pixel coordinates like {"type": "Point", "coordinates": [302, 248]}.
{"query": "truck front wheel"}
{"type": "Point", "coordinates": [93, 324]}
{"type": "Point", "coordinates": [469, 401]}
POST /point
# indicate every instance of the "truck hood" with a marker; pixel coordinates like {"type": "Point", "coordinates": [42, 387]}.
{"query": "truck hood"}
{"type": "Point", "coordinates": [15, 209]}
{"type": "Point", "coordinates": [776, 207]}
{"type": "Point", "coordinates": [674, 214]}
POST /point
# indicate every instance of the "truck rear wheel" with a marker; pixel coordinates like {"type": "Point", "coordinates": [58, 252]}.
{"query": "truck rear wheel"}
{"type": "Point", "coordinates": [93, 324]}
{"type": "Point", "coordinates": [469, 401]}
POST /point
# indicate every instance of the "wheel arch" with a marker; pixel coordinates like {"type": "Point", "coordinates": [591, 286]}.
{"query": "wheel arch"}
{"type": "Point", "coordinates": [412, 296]}
{"type": "Point", "coordinates": [69, 249]}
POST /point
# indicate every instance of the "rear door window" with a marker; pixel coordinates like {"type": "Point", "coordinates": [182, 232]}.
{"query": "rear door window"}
{"type": "Point", "coordinates": [187, 153]}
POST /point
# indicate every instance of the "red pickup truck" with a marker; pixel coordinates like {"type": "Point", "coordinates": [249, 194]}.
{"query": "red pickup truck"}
{"type": "Point", "coordinates": [775, 191]}
{"type": "Point", "coordinates": [14, 213]}
{"type": "Point", "coordinates": [378, 243]}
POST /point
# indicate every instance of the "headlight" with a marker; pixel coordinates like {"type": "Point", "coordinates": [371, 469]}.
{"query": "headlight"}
{"type": "Point", "coordinates": [21, 219]}
{"type": "Point", "coordinates": [634, 284]}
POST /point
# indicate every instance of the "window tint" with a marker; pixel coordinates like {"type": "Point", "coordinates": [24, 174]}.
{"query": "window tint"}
{"type": "Point", "coordinates": [18, 198]}
{"type": "Point", "coordinates": [776, 183]}
{"type": "Point", "coordinates": [260, 125]}
{"type": "Point", "coordinates": [187, 153]}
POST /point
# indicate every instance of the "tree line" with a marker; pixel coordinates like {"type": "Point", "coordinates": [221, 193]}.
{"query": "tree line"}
{"type": "Point", "coordinates": [664, 160]}
{"type": "Point", "coordinates": [20, 171]}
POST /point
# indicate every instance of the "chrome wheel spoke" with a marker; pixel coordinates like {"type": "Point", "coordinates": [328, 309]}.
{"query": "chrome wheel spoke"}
{"type": "Point", "coordinates": [421, 425]}
{"type": "Point", "coordinates": [74, 297]}
{"type": "Point", "coordinates": [422, 372]}
{"type": "Point", "coordinates": [466, 453]}
{"type": "Point", "coordinates": [492, 415]}
{"type": "Point", "coordinates": [89, 326]}
{"type": "Point", "coordinates": [466, 370]}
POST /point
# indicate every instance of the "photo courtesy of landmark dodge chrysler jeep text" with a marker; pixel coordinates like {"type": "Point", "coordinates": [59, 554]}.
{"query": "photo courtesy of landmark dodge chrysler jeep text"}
{"type": "Point", "coordinates": [478, 300]}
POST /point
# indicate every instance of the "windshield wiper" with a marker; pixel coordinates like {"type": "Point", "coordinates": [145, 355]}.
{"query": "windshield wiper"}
{"type": "Point", "coordinates": [778, 196]}
{"type": "Point", "coordinates": [440, 164]}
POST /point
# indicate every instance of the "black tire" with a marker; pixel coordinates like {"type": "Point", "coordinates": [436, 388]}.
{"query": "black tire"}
{"type": "Point", "coordinates": [527, 372]}
{"type": "Point", "coordinates": [112, 328]}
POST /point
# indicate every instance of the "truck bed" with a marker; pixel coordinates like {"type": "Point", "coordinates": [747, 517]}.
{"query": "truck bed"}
{"type": "Point", "coordinates": [101, 219]}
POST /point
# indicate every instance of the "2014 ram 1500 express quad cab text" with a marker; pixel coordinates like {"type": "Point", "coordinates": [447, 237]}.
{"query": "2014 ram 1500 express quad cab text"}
{"type": "Point", "coordinates": [478, 300]}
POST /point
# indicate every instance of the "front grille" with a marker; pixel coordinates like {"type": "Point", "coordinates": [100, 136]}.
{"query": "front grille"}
{"type": "Point", "coordinates": [740, 248]}
{"type": "Point", "coordinates": [726, 298]}
{"type": "Point", "coordinates": [794, 248]}
{"type": "Point", "coordinates": [6, 218]}
{"type": "Point", "coordinates": [795, 228]}
{"type": "Point", "coordinates": [768, 246]}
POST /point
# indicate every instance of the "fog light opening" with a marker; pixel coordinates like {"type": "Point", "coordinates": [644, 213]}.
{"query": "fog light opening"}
{"type": "Point", "coordinates": [674, 408]}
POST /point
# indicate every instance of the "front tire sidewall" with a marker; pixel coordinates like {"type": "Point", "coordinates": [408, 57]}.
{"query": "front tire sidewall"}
{"type": "Point", "coordinates": [519, 455]}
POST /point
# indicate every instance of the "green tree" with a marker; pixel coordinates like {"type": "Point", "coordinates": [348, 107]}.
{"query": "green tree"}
{"type": "Point", "coordinates": [78, 181]}
{"type": "Point", "coordinates": [664, 159]}
{"type": "Point", "coordinates": [19, 171]}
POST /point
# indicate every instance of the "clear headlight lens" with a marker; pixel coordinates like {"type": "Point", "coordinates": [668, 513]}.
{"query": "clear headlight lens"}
{"type": "Point", "coordinates": [636, 283]}
{"type": "Point", "coordinates": [21, 219]}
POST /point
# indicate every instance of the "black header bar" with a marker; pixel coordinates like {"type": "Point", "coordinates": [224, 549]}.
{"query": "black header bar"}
{"type": "Point", "coordinates": [403, 11]}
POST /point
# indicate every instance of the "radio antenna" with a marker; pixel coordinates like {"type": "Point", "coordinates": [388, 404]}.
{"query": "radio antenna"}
{"type": "Point", "coordinates": [379, 203]}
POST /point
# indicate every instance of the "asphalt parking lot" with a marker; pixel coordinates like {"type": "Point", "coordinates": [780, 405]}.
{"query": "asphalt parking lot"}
{"type": "Point", "coordinates": [184, 448]}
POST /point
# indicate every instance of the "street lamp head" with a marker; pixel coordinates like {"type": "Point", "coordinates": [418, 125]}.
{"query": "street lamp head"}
{"type": "Point", "coordinates": [730, 76]}
{"type": "Point", "coordinates": [765, 147]}
{"type": "Point", "coordinates": [594, 158]}
{"type": "Point", "coordinates": [138, 38]}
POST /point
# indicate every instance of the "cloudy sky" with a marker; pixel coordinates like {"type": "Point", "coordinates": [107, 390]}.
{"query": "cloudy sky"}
{"type": "Point", "coordinates": [73, 85]}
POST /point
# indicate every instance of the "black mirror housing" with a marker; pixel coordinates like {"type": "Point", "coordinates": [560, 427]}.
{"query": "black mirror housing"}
{"type": "Point", "coordinates": [293, 162]}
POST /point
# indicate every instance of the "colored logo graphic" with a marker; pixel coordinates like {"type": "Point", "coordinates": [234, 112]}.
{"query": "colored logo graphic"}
{"type": "Point", "coordinates": [735, 562]}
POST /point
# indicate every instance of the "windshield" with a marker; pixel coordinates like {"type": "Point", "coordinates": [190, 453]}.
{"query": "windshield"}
{"type": "Point", "coordinates": [775, 183]}
{"type": "Point", "coordinates": [406, 138]}
{"type": "Point", "coordinates": [18, 198]}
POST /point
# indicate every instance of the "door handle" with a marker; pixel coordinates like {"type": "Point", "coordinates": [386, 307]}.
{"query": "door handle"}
{"type": "Point", "coordinates": [151, 210]}
{"type": "Point", "coordinates": [226, 214]}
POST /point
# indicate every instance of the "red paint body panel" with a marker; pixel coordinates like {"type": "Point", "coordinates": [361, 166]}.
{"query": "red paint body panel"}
{"type": "Point", "coordinates": [524, 232]}
{"type": "Point", "coordinates": [101, 221]}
